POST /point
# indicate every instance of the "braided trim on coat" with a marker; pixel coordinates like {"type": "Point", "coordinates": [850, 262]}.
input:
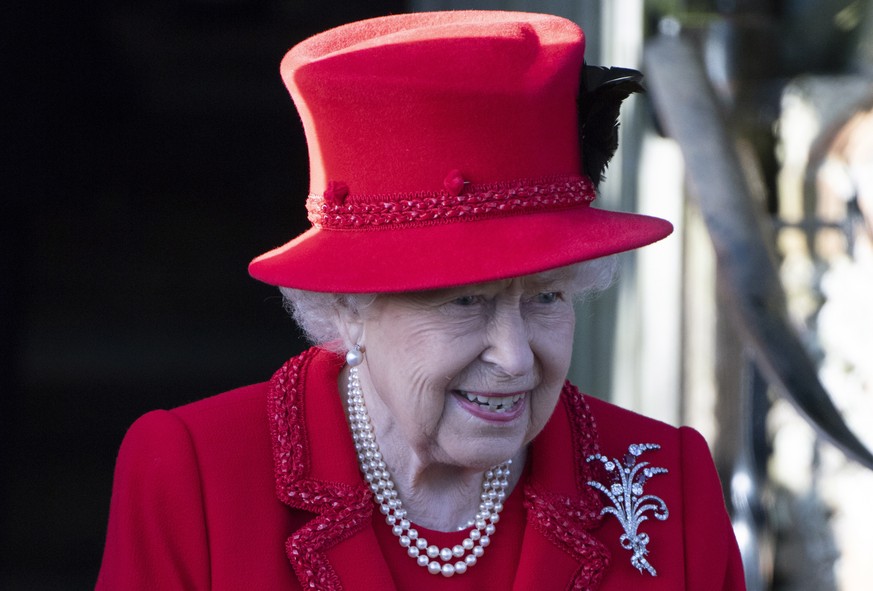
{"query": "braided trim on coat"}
{"type": "Point", "coordinates": [341, 510]}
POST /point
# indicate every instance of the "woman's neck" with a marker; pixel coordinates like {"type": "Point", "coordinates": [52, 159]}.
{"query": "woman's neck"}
{"type": "Point", "coordinates": [440, 496]}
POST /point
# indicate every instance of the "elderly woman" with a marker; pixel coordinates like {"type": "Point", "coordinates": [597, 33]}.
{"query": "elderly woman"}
{"type": "Point", "coordinates": [429, 439]}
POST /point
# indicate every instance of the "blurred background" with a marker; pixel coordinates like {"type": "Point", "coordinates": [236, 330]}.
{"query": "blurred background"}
{"type": "Point", "coordinates": [150, 151]}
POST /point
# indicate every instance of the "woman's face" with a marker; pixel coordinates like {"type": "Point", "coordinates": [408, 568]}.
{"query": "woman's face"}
{"type": "Point", "coordinates": [467, 376]}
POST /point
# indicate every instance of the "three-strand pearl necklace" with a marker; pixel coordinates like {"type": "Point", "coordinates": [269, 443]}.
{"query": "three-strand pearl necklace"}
{"type": "Point", "coordinates": [445, 561]}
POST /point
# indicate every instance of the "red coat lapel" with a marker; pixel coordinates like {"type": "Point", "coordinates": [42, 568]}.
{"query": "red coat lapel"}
{"type": "Point", "coordinates": [316, 471]}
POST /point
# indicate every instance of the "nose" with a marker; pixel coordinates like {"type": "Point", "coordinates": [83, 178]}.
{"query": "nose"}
{"type": "Point", "coordinates": [508, 349]}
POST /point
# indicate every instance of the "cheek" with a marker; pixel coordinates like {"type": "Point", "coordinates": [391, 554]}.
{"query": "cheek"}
{"type": "Point", "coordinates": [432, 348]}
{"type": "Point", "coordinates": [415, 359]}
{"type": "Point", "coordinates": [552, 340]}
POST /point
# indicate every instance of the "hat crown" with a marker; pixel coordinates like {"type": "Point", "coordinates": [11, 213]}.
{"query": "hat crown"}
{"type": "Point", "coordinates": [391, 105]}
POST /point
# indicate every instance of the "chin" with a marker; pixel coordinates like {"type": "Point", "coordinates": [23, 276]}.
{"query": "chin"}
{"type": "Point", "coordinates": [481, 454]}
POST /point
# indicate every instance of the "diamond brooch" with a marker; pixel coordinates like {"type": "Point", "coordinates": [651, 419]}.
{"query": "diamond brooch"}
{"type": "Point", "coordinates": [630, 505]}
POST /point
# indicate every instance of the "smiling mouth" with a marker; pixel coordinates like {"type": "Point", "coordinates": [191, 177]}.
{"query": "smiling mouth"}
{"type": "Point", "coordinates": [497, 404]}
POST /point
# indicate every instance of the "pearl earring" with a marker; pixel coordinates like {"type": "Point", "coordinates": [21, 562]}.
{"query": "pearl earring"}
{"type": "Point", "coordinates": [355, 356]}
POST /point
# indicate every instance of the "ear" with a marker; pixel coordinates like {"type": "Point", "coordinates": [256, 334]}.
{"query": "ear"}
{"type": "Point", "coordinates": [350, 325]}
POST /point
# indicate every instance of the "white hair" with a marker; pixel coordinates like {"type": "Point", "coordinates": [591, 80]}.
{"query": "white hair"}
{"type": "Point", "coordinates": [316, 312]}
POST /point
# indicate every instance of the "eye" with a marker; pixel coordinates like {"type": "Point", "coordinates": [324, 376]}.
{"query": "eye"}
{"type": "Point", "coordinates": [549, 297]}
{"type": "Point", "coordinates": [467, 300]}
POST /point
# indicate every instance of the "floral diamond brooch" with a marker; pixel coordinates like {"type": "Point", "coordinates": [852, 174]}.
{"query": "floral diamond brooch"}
{"type": "Point", "coordinates": [630, 505]}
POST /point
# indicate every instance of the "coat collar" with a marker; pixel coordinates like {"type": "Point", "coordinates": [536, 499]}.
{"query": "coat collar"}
{"type": "Point", "coordinates": [316, 471]}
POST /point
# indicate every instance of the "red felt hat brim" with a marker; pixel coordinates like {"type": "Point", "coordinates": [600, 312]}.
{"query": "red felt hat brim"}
{"type": "Point", "coordinates": [443, 255]}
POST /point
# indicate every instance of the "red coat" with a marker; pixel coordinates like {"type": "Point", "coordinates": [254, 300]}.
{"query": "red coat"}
{"type": "Point", "coordinates": [259, 488]}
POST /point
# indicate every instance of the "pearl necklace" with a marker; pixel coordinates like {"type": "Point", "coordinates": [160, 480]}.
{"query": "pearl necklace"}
{"type": "Point", "coordinates": [445, 561]}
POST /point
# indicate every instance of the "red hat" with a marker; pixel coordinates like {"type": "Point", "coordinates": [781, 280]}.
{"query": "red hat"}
{"type": "Point", "coordinates": [444, 150]}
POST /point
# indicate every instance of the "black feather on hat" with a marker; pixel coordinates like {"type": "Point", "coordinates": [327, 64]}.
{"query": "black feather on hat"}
{"type": "Point", "coordinates": [601, 92]}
